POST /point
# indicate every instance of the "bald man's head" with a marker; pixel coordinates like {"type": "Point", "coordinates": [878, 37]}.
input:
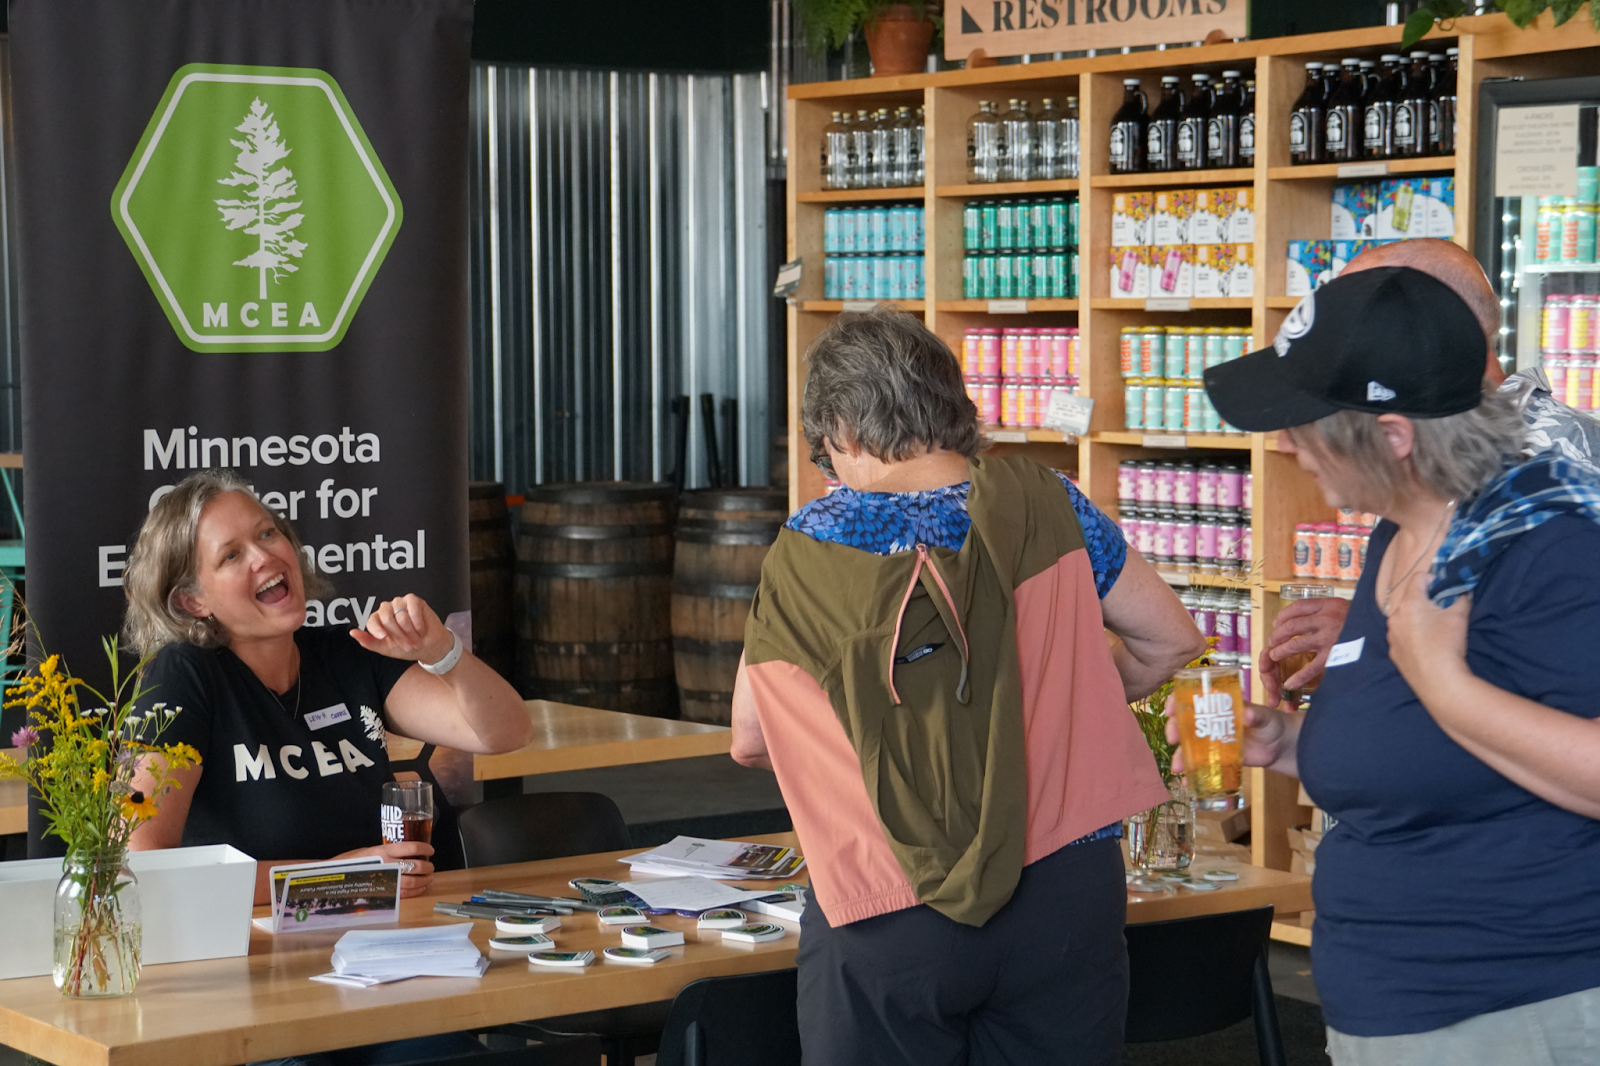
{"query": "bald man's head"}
{"type": "Point", "coordinates": [1453, 265]}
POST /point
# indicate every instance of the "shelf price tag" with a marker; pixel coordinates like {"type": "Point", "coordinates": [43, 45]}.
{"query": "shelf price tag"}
{"type": "Point", "coordinates": [1167, 303]}
{"type": "Point", "coordinates": [1008, 436]}
{"type": "Point", "coordinates": [1363, 170]}
{"type": "Point", "coordinates": [1165, 440]}
{"type": "Point", "coordinates": [860, 307]}
{"type": "Point", "coordinates": [1068, 413]}
{"type": "Point", "coordinates": [1008, 307]}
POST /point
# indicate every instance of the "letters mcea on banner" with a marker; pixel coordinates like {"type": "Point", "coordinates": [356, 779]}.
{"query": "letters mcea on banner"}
{"type": "Point", "coordinates": [1029, 27]}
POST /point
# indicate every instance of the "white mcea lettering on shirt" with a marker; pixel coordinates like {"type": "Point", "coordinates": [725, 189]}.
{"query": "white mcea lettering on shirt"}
{"type": "Point", "coordinates": [292, 751]}
{"type": "Point", "coordinates": [353, 759]}
{"type": "Point", "coordinates": [327, 761]}
{"type": "Point", "coordinates": [257, 766]}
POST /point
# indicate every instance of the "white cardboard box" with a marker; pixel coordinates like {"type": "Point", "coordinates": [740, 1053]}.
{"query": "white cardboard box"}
{"type": "Point", "coordinates": [195, 903]}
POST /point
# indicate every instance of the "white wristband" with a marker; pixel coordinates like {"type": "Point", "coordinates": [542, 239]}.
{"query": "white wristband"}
{"type": "Point", "coordinates": [451, 657]}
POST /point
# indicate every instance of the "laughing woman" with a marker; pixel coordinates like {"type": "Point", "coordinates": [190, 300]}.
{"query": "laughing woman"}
{"type": "Point", "coordinates": [289, 721]}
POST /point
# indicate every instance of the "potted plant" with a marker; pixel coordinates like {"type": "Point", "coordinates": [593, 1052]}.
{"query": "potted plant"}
{"type": "Point", "coordinates": [1520, 12]}
{"type": "Point", "coordinates": [898, 35]}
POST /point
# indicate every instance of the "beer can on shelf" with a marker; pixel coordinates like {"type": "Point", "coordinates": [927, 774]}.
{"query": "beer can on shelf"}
{"type": "Point", "coordinates": [1230, 489]}
{"type": "Point", "coordinates": [1128, 342]}
{"type": "Point", "coordinates": [1147, 538]}
{"type": "Point", "coordinates": [1234, 344]}
{"type": "Point", "coordinates": [1152, 351]}
{"type": "Point", "coordinates": [1183, 541]}
{"type": "Point", "coordinates": [1577, 232]}
{"type": "Point", "coordinates": [1580, 381]}
{"type": "Point", "coordinates": [1581, 323]}
{"type": "Point", "coordinates": [899, 267]}
{"type": "Point", "coordinates": [1146, 485]}
{"type": "Point", "coordinates": [865, 272]}
{"type": "Point", "coordinates": [1211, 347]}
{"type": "Point", "coordinates": [896, 232]}
{"type": "Point", "coordinates": [985, 392]}
{"type": "Point", "coordinates": [1547, 230]}
{"type": "Point", "coordinates": [1327, 553]}
{"type": "Point", "coordinates": [989, 226]}
{"type": "Point", "coordinates": [1058, 274]}
{"type": "Point", "coordinates": [1172, 365]}
{"type": "Point", "coordinates": [1022, 270]}
{"type": "Point", "coordinates": [1133, 403]}
{"type": "Point", "coordinates": [1166, 475]}
{"type": "Point", "coordinates": [1249, 492]}
{"type": "Point", "coordinates": [988, 277]}
{"type": "Point", "coordinates": [1172, 397]}
{"type": "Point", "coordinates": [1155, 405]}
{"type": "Point", "coordinates": [877, 230]}
{"type": "Point", "coordinates": [1022, 226]}
{"type": "Point", "coordinates": [1028, 353]}
{"type": "Point", "coordinates": [845, 221]}
{"type": "Point", "coordinates": [1205, 544]}
{"type": "Point", "coordinates": [989, 353]}
{"type": "Point", "coordinates": [1554, 323]}
{"type": "Point", "coordinates": [1039, 266]}
{"type": "Point", "coordinates": [830, 231]}
{"type": "Point", "coordinates": [1008, 354]}
{"type": "Point", "coordinates": [831, 288]}
{"type": "Point", "coordinates": [1246, 543]}
{"type": "Point", "coordinates": [1194, 354]}
{"type": "Point", "coordinates": [1061, 344]}
{"type": "Point", "coordinates": [1348, 563]}
{"type": "Point", "coordinates": [1227, 638]}
{"type": "Point", "coordinates": [971, 226]}
{"type": "Point", "coordinates": [1005, 280]}
{"type": "Point", "coordinates": [1230, 535]}
{"type": "Point", "coordinates": [1039, 223]}
{"type": "Point", "coordinates": [1194, 409]}
{"type": "Point", "coordinates": [883, 271]}
{"type": "Point", "coordinates": [971, 286]}
{"type": "Point", "coordinates": [1205, 487]}
{"type": "Point", "coordinates": [1127, 483]}
{"type": "Point", "coordinates": [1212, 419]}
{"type": "Point", "coordinates": [1183, 486]}
{"type": "Point", "coordinates": [1058, 231]}
{"type": "Point", "coordinates": [1006, 226]}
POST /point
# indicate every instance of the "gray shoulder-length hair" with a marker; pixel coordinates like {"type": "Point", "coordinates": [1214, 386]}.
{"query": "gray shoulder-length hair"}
{"type": "Point", "coordinates": [163, 562]}
{"type": "Point", "coordinates": [883, 382]}
{"type": "Point", "coordinates": [1453, 457]}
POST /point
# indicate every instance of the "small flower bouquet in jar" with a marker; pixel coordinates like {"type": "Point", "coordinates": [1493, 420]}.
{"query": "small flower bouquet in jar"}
{"type": "Point", "coordinates": [81, 763]}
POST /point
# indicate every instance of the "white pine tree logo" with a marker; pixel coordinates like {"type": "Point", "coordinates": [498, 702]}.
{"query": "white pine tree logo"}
{"type": "Point", "coordinates": [267, 214]}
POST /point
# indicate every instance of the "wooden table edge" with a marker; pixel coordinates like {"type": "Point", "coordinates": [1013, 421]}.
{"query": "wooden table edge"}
{"type": "Point", "coordinates": [529, 761]}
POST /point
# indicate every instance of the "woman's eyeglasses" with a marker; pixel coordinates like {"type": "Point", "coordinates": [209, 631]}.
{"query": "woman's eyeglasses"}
{"type": "Point", "coordinates": [823, 462]}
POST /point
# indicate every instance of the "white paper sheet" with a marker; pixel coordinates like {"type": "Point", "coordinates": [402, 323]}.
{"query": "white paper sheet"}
{"type": "Point", "coordinates": [690, 893]}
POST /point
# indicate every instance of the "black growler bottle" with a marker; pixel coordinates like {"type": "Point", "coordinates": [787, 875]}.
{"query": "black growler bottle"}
{"type": "Point", "coordinates": [1378, 123]}
{"type": "Point", "coordinates": [1342, 123]}
{"type": "Point", "coordinates": [1161, 136]}
{"type": "Point", "coordinates": [1128, 130]}
{"type": "Point", "coordinates": [1192, 123]}
{"type": "Point", "coordinates": [1222, 128]}
{"type": "Point", "coordinates": [1305, 121]}
{"type": "Point", "coordinates": [1247, 125]}
{"type": "Point", "coordinates": [1411, 108]}
{"type": "Point", "coordinates": [1444, 93]}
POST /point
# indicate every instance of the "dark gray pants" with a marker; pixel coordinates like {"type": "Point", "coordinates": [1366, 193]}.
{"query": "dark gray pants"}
{"type": "Point", "coordinates": [1044, 981]}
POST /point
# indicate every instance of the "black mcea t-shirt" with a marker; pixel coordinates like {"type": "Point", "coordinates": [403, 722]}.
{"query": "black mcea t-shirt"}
{"type": "Point", "coordinates": [291, 776]}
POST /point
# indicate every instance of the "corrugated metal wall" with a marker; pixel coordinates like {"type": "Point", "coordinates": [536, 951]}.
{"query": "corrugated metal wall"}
{"type": "Point", "coordinates": [618, 245]}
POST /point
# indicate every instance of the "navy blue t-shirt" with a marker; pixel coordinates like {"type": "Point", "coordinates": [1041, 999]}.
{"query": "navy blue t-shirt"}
{"type": "Point", "coordinates": [1445, 890]}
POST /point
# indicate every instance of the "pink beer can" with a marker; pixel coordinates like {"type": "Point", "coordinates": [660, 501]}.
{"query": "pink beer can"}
{"type": "Point", "coordinates": [1147, 483]}
{"type": "Point", "coordinates": [1166, 478]}
{"type": "Point", "coordinates": [1027, 353]}
{"type": "Point", "coordinates": [971, 341]}
{"type": "Point", "coordinates": [1205, 544]}
{"type": "Point", "coordinates": [1555, 368]}
{"type": "Point", "coordinates": [1010, 389]}
{"type": "Point", "coordinates": [1327, 535]}
{"type": "Point", "coordinates": [989, 400]}
{"type": "Point", "coordinates": [989, 353]}
{"type": "Point", "coordinates": [1183, 537]}
{"type": "Point", "coordinates": [1146, 545]}
{"type": "Point", "coordinates": [1185, 483]}
{"type": "Point", "coordinates": [1127, 482]}
{"type": "Point", "coordinates": [1555, 323]}
{"type": "Point", "coordinates": [1581, 323]}
{"type": "Point", "coordinates": [1247, 546]}
{"type": "Point", "coordinates": [1008, 353]}
{"type": "Point", "coordinates": [1227, 634]}
{"type": "Point", "coordinates": [1241, 630]}
{"type": "Point", "coordinates": [1205, 491]}
{"type": "Point", "coordinates": [1580, 381]}
{"type": "Point", "coordinates": [1230, 488]}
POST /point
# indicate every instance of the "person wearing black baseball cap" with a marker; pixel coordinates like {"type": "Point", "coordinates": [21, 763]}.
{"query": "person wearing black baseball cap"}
{"type": "Point", "coordinates": [1455, 745]}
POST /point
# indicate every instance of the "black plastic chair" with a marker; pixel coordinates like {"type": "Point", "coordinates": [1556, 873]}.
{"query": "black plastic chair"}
{"type": "Point", "coordinates": [554, 825]}
{"type": "Point", "coordinates": [540, 825]}
{"type": "Point", "coordinates": [1193, 976]}
{"type": "Point", "coordinates": [749, 1020]}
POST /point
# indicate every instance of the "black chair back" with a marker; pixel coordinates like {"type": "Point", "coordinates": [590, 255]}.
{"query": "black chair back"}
{"type": "Point", "coordinates": [1193, 976]}
{"type": "Point", "coordinates": [540, 825]}
{"type": "Point", "coordinates": [747, 1020]}
{"type": "Point", "coordinates": [583, 1051]}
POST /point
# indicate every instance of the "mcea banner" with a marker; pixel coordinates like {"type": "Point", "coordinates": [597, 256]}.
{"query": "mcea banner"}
{"type": "Point", "coordinates": [242, 245]}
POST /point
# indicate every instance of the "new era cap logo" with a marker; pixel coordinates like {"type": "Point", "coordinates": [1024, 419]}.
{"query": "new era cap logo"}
{"type": "Point", "coordinates": [1378, 394]}
{"type": "Point", "coordinates": [1295, 326]}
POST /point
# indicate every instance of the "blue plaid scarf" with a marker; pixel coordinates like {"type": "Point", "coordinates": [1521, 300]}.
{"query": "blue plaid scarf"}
{"type": "Point", "coordinates": [1519, 499]}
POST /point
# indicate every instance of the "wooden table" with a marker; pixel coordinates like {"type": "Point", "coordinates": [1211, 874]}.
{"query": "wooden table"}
{"type": "Point", "coordinates": [566, 737]}
{"type": "Point", "coordinates": [228, 1011]}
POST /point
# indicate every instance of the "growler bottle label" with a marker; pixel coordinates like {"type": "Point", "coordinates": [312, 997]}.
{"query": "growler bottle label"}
{"type": "Point", "coordinates": [1119, 145]}
{"type": "Point", "coordinates": [1247, 137]}
{"type": "Point", "coordinates": [1372, 128]}
{"type": "Point", "coordinates": [1214, 146]}
{"type": "Point", "coordinates": [1297, 132]}
{"type": "Point", "coordinates": [1335, 130]}
{"type": "Point", "coordinates": [1189, 143]}
{"type": "Point", "coordinates": [1405, 126]}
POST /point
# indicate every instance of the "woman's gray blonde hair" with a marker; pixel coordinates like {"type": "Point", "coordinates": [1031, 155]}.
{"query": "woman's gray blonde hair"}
{"type": "Point", "coordinates": [162, 566]}
{"type": "Point", "coordinates": [883, 382]}
{"type": "Point", "coordinates": [1453, 457]}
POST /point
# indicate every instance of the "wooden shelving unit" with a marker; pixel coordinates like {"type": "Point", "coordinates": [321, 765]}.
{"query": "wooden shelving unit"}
{"type": "Point", "coordinates": [1292, 203]}
{"type": "Point", "coordinates": [1428, 164]}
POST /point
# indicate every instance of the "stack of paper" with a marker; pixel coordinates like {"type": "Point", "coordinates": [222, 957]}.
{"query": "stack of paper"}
{"type": "Point", "coordinates": [727, 859]}
{"type": "Point", "coordinates": [429, 951]}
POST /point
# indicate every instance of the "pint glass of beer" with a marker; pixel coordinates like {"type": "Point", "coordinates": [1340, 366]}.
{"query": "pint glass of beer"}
{"type": "Point", "coordinates": [1210, 709]}
{"type": "Point", "coordinates": [407, 811]}
{"type": "Point", "coordinates": [1287, 668]}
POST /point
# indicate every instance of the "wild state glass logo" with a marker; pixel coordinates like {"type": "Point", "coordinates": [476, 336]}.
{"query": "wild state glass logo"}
{"type": "Point", "coordinates": [256, 208]}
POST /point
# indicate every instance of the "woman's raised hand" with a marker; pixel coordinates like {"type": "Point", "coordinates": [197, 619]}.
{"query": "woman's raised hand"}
{"type": "Point", "coordinates": [405, 628]}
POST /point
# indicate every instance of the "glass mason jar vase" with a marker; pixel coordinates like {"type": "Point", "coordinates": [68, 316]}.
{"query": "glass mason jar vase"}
{"type": "Point", "coordinates": [1162, 838]}
{"type": "Point", "coordinates": [98, 934]}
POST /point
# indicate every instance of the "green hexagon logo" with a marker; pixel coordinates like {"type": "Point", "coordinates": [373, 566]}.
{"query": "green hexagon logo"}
{"type": "Point", "coordinates": [256, 208]}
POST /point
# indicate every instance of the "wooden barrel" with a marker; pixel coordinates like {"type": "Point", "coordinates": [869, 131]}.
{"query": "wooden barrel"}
{"type": "Point", "coordinates": [489, 547]}
{"type": "Point", "coordinates": [723, 535]}
{"type": "Point", "coordinates": [594, 590]}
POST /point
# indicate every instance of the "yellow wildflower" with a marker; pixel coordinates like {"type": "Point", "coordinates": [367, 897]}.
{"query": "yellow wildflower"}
{"type": "Point", "coordinates": [100, 778]}
{"type": "Point", "coordinates": [137, 808]}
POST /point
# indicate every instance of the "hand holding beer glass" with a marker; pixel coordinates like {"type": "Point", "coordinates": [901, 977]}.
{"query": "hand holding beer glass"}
{"type": "Point", "coordinates": [1293, 664]}
{"type": "Point", "coordinates": [407, 811]}
{"type": "Point", "coordinates": [1209, 706]}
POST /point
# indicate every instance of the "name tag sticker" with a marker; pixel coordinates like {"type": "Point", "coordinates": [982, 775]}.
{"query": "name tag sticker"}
{"type": "Point", "coordinates": [327, 716]}
{"type": "Point", "coordinates": [1346, 653]}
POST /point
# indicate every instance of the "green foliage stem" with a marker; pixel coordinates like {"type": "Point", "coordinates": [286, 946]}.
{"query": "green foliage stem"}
{"type": "Point", "coordinates": [1520, 12]}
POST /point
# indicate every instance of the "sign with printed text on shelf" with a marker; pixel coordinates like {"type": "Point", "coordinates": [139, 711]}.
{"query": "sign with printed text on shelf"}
{"type": "Point", "coordinates": [1029, 27]}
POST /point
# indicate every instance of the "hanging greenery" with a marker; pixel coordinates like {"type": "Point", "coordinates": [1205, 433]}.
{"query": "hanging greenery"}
{"type": "Point", "coordinates": [1520, 12]}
